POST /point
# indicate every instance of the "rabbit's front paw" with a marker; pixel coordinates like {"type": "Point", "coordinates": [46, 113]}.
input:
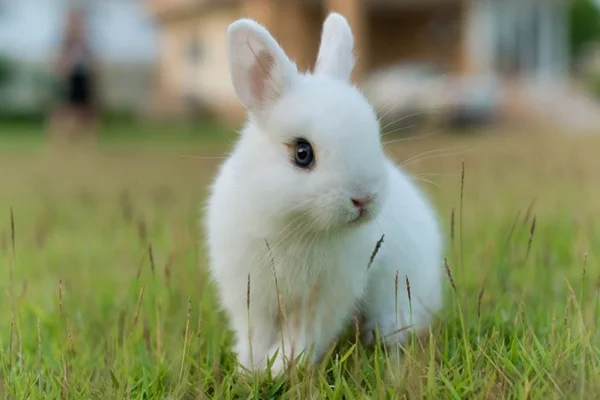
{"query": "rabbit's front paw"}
{"type": "Point", "coordinates": [281, 358]}
{"type": "Point", "coordinates": [244, 362]}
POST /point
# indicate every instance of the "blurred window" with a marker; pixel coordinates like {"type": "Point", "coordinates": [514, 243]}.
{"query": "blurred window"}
{"type": "Point", "coordinates": [194, 51]}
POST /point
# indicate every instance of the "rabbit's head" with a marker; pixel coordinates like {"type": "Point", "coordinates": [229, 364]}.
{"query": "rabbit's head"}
{"type": "Point", "coordinates": [311, 150]}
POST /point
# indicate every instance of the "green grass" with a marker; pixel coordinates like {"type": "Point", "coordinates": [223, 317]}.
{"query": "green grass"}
{"type": "Point", "coordinates": [106, 294]}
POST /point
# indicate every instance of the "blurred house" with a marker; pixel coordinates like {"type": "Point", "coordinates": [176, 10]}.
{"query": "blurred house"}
{"type": "Point", "coordinates": [123, 37]}
{"type": "Point", "coordinates": [521, 44]}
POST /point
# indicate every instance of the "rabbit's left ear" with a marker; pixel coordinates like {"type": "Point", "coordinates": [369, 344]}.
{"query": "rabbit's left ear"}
{"type": "Point", "coordinates": [336, 58]}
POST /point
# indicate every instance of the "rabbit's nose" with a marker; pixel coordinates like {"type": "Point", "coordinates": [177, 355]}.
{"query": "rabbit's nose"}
{"type": "Point", "coordinates": [361, 203]}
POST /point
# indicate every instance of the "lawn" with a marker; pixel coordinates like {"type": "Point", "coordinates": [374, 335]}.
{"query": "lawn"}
{"type": "Point", "coordinates": [105, 293]}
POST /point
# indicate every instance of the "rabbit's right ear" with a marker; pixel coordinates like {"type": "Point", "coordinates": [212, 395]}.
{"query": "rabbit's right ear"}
{"type": "Point", "coordinates": [260, 70]}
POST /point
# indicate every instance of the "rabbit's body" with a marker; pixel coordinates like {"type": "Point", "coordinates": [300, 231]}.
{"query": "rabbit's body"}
{"type": "Point", "coordinates": [290, 241]}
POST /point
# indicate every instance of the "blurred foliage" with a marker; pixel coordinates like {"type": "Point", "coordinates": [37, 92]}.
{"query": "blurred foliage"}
{"type": "Point", "coordinates": [584, 25]}
{"type": "Point", "coordinates": [6, 69]}
{"type": "Point", "coordinates": [593, 84]}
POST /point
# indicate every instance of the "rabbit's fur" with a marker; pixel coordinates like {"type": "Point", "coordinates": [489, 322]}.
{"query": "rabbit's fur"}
{"type": "Point", "coordinates": [291, 237]}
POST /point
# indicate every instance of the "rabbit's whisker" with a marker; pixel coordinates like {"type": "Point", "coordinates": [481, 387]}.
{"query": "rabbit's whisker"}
{"type": "Point", "coordinates": [430, 152]}
{"type": "Point", "coordinates": [418, 159]}
{"type": "Point", "coordinates": [200, 157]}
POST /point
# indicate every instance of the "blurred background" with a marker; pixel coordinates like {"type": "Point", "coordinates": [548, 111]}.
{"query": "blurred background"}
{"type": "Point", "coordinates": [457, 63]}
{"type": "Point", "coordinates": [450, 62]}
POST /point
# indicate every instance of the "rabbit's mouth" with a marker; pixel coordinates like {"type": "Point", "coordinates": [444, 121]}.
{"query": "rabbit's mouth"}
{"type": "Point", "coordinates": [362, 215]}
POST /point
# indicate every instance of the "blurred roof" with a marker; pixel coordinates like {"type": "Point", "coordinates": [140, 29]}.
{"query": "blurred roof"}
{"type": "Point", "coordinates": [187, 8]}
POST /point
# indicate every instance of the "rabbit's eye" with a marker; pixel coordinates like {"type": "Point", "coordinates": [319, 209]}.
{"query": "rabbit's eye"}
{"type": "Point", "coordinates": [303, 154]}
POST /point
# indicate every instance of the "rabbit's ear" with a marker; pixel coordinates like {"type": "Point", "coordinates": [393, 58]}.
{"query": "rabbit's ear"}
{"type": "Point", "coordinates": [336, 58]}
{"type": "Point", "coordinates": [260, 70]}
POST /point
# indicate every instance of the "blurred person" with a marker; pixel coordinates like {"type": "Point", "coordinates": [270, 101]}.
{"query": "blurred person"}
{"type": "Point", "coordinates": [76, 115]}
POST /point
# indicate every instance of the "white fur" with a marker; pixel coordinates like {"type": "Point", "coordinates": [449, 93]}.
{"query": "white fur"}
{"type": "Point", "coordinates": [316, 274]}
{"type": "Point", "coordinates": [335, 58]}
{"type": "Point", "coordinates": [247, 40]}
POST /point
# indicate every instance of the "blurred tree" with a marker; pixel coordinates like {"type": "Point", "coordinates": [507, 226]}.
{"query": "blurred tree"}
{"type": "Point", "coordinates": [6, 69]}
{"type": "Point", "coordinates": [584, 24]}
{"type": "Point", "coordinates": [5, 63]}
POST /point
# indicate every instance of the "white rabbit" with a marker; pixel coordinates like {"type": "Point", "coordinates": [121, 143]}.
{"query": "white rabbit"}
{"type": "Point", "coordinates": [297, 209]}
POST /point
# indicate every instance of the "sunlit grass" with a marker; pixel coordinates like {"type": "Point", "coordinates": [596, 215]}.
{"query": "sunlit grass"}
{"type": "Point", "coordinates": [106, 294]}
